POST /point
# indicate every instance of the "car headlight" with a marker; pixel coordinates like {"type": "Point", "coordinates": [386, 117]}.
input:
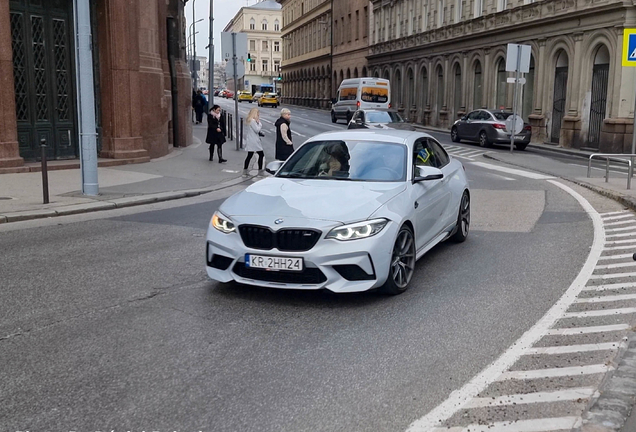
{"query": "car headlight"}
{"type": "Point", "coordinates": [358, 230]}
{"type": "Point", "coordinates": [222, 223]}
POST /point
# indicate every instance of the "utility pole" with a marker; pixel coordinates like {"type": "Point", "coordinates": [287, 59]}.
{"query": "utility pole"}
{"type": "Point", "coordinates": [236, 110]}
{"type": "Point", "coordinates": [86, 98]}
{"type": "Point", "coordinates": [194, 48]}
{"type": "Point", "coordinates": [211, 57]}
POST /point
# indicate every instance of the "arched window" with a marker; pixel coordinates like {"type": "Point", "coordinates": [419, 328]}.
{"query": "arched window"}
{"type": "Point", "coordinates": [502, 85]}
{"type": "Point", "coordinates": [477, 86]}
{"type": "Point", "coordinates": [439, 100]}
{"type": "Point", "coordinates": [276, 25]}
{"type": "Point", "coordinates": [252, 24]}
{"type": "Point", "coordinates": [264, 25]}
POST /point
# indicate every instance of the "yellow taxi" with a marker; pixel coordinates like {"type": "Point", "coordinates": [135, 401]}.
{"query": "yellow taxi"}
{"type": "Point", "coordinates": [268, 99]}
{"type": "Point", "coordinates": [245, 95]}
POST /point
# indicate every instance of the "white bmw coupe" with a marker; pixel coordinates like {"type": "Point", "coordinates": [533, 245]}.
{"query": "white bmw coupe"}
{"type": "Point", "coordinates": [348, 211]}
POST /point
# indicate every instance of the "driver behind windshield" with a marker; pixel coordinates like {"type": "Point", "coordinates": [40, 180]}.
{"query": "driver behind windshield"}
{"type": "Point", "coordinates": [336, 165]}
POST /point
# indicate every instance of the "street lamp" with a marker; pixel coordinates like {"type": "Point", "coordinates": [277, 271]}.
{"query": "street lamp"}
{"type": "Point", "coordinates": [193, 32]}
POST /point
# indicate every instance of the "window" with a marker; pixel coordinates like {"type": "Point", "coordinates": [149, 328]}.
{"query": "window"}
{"type": "Point", "coordinates": [277, 46]}
{"type": "Point", "coordinates": [440, 13]}
{"type": "Point", "coordinates": [425, 18]}
{"type": "Point", "coordinates": [265, 69]}
{"type": "Point", "coordinates": [276, 26]}
{"type": "Point", "coordinates": [253, 66]}
{"type": "Point", "coordinates": [349, 27]}
{"type": "Point", "coordinates": [264, 25]}
{"type": "Point", "coordinates": [252, 45]}
{"type": "Point", "coordinates": [252, 24]}
{"type": "Point", "coordinates": [365, 24]}
{"type": "Point", "coordinates": [357, 25]}
{"type": "Point", "coordinates": [501, 5]}
{"type": "Point", "coordinates": [276, 65]}
{"type": "Point", "coordinates": [265, 46]}
{"type": "Point", "coordinates": [428, 152]}
{"type": "Point", "coordinates": [459, 11]}
{"type": "Point", "coordinates": [479, 7]}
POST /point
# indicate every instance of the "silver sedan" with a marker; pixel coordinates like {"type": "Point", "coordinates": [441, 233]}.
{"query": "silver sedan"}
{"type": "Point", "coordinates": [348, 211]}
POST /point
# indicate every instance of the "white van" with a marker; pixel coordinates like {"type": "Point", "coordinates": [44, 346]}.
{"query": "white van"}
{"type": "Point", "coordinates": [360, 93]}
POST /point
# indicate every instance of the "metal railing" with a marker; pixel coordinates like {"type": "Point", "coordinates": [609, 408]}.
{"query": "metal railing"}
{"type": "Point", "coordinates": [616, 157]}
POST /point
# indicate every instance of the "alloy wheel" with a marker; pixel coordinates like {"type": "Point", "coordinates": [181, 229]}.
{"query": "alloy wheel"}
{"type": "Point", "coordinates": [403, 259]}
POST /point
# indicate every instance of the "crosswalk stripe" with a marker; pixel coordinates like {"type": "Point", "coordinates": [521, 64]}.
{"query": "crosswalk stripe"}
{"type": "Point", "coordinates": [598, 313]}
{"type": "Point", "coordinates": [610, 286]}
{"type": "Point", "coordinates": [537, 397]}
{"type": "Point", "coordinates": [617, 265]}
{"type": "Point", "coordinates": [612, 276]}
{"type": "Point", "coordinates": [518, 172]}
{"type": "Point", "coordinates": [614, 213]}
{"type": "Point", "coordinates": [605, 299]}
{"type": "Point", "coordinates": [627, 215]}
{"type": "Point", "coordinates": [618, 223]}
{"type": "Point", "coordinates": [620, 229]}
{"type": "Point", "coordinates": [533, 425]}
{"type": "Point", "coordinates": [613, 257]}
{"type": "Point", "coordinates": [615, 242]}
{"type": "Point", "coordinates": [555, 372]}
{"type": "Point", "coordinates": [586, 330]}
{"type": "Point", "coordinates": [568, 349]}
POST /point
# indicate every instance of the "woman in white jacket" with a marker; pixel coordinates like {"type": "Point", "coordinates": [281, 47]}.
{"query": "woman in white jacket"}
{"type": "Point", "coordinates": [253, 141]}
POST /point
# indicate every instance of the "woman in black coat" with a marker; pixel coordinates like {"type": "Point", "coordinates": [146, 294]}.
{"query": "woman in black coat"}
{"type": "Point", "coordinates": [284, 146]}
{"type": "Point", "coordinates": [216, 133]}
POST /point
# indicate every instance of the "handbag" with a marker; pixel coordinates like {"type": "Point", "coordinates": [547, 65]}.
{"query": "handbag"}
{"type": "Point", "coordinates": [261, 134]}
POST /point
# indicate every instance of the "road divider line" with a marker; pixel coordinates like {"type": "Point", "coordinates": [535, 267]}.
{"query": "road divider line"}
{"type": "Point", "coordinates": [599, 313]}
{"type": "Point", "coordinates": [534, 425]}
{"type": "Point", "coordinates": [514, 171]}
{"type": "Point", "coordinates": [569, 349]}
{"type": "Point", "coordinates": [458, 398]}
{"type": "Point", "coordinates": [605, 299]}
{"type": "Point", "coordinates": [555, 372]}
{"type": "Point", "coordinates": [571, 331]}
{"type": "Point", "coordinates": [537, 397]}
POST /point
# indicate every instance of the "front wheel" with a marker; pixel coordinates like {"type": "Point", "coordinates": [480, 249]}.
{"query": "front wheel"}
{"type": "Point", "coordinates": [402, 263]}
{"type": "Point", "coordinates": [455, 135]}
{"type": "Point", "coordinates": [333, 117]}
{"type": "Point", "coordinates": [463, 220]}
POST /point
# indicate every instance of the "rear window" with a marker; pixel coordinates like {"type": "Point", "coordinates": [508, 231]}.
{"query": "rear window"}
{"type": "Point", "coordinates": [375, 94]}
{"type": "Point", "coordinates": [350, 93]}
{"type": "Point", "coordinates": [501, 115]}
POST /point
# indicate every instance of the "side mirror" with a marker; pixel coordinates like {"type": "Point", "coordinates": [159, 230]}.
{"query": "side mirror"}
{"type": "Point", "coordinates": [425, 173]}
{"type": "Point", "coordinates": [464, 118]}
{"type": "Point", "coordinates": [274, 166]}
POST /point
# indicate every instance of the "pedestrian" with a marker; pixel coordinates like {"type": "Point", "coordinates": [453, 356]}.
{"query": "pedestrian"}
{"type": "Point", "coordinates": [284, 145]}
{"type": "Point", "coordinates": [199, 106]}
{"type": "Point", "coordinates": [216, 133]}
{"type": "Point", "coordinates": [253, 141]}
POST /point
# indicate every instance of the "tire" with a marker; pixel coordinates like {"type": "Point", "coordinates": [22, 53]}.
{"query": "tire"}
{"type": "Point", "coordinates": [402, 263]}
{"type": "Point", "coordinates": [455, 135]}
{"type": "Point", "coordinates": [483, 139]}
{"type": "Point", "coordinates": [334, 119]}
{"type": "Point", "coordinates": [349, 115]}
{"type": "Point", "coordinates": [521, 147]}
{"type": "Point", "coordinates": [463, 220]}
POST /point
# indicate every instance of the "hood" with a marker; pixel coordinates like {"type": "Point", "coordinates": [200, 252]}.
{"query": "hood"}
{"type": "Point", "coordinates": [331, 200]}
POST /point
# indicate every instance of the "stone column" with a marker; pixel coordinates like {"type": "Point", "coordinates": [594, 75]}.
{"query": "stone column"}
{"type": "Point", "coordinates": [571, 129]}
{"type": "Point", "coordinates": [537, 118]}
{"type": "Point", "coordinates": [465, 84]}
{"type": "Point", "coordinates": [9, 149]}
{"type": "Point", "coordinates": [487, 97]}
{"type": "Point", "coordinates": [120, 94]}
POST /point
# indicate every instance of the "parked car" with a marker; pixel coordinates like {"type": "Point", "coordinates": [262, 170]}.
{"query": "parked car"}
{"type": "Point", "coordinates": [229, 94]}
{"type": "Point", "coordinates": [488, 127]}
{"type": "Point", "coordinates": [342, 215]}
{"type": "Point", "coordinates": [378, 119]}
{"type": "Point", "coordinates": [268, 99]}
{"type": "Point", "coordinates": [244, 95]}
{"type": "Point", "coordinates": [222, 93]}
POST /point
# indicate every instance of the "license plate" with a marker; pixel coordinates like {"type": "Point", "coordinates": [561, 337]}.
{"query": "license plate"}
{"type": "Point", "coordinates": [519, 137]}
{"type": "Point", "coordinates": [273, 262]}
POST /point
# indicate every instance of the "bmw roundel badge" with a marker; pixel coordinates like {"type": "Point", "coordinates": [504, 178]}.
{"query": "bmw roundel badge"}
{"type": "Point", "coordinates": [279, 221]}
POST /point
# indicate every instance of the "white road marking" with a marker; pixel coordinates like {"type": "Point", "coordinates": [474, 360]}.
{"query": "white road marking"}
{"type": "Point", "coordinates": [627, 215]}
{"type": "Point", "coordinates": [612, 257]}
{"type": "Point", "coordinates": [615, 242]}
{"type": "Point", "coordinates": [610, 286]}
{"type": "Point", "coordinates": [568, 349]}
{"type": "Point", "coordinates": [492, 372]}
{"type": "Point", "coordinates": [609, 298]}
{"type": "Point", "coordinates": [535, 425]}
{"type": "Point", "coordinates": [620, 247]}
{"type": "Point", "coordinates": [603, 215]}
{"type": "Point", "coordinates": [585, 330]}
{"type": "Point", "coordinates": [473, 153]}
{"type": "Point", "coordinates": [627, 228]}
{"type": "Point", "coordinates": [629, 234]}
{"type": "Point", "coordinates": [612, 276]}
{"type": "Point", "coordinates": [599, 313]}
{"type": "Point", "coordinates": [514, 171]}
{"type": "Point", "coordinates": [617, 265]}
{"type": "Point", "coordinates": [537, 397]}
{"type": "Point", "coordinates": [619, 223]}
{"type": "Point", "coordinates": [555, 372]}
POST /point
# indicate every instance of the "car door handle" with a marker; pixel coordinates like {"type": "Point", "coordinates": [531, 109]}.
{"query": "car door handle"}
{"type": "Point", "coordinates": [416, 204]}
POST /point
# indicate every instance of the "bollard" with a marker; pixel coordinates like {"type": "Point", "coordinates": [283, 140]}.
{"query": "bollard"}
{"type": "Point", "coordinates": [224, 114]}
{"type": "Point", "coordinates": [45, 174]}
{"type": "Point", "coordinates": [241, 136]}
{"type": "Point", "coordinates": [230, 126]}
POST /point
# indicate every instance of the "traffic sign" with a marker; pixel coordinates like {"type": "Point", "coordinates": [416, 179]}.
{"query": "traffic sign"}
{"type": "Point", "coordinates": [511, 58]}
{"type": "Point", "coordinates": [240, 69]}
{"type": "Point", "coordinates": [514, 124]}
{"type": "Point", "coordinates": [629, 47]}
{"type": "Point", "coordinates": [513, 80]}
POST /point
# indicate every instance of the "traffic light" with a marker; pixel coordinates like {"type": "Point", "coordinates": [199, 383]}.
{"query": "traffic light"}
{"type": "Point", "coordinates": [279, 78]}
{"type": "Point", "coordinates": [249, 58]}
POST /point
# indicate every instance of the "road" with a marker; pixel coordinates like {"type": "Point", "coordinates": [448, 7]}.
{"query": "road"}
{"type": "Point", "coordinates": [109, 322]}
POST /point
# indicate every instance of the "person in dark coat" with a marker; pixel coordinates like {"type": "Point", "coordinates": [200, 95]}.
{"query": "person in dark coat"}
{"type": "Point", "coordinates": [216, 133]}
{"type": "Point", "coordinates": [199, 106]}
{"type": "Point", "coordinates": [284, 146]}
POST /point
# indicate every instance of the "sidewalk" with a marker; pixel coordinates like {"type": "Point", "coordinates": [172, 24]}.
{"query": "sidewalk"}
{"type": "Point", "coordinates": [182, 173]}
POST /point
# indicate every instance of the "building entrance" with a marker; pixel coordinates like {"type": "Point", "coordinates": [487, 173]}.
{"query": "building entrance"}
{"type": "Point", "coordinates": [43, 69]}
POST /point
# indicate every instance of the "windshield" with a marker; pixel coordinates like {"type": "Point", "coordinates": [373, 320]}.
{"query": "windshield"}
{"type": "Point", "coordinates": [350, 160]}
{"type": "Point", "coordinates": [383, 117]}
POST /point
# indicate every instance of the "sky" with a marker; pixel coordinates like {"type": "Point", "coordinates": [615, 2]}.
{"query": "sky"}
{"type": "Point", "coordinates": [224, 11]}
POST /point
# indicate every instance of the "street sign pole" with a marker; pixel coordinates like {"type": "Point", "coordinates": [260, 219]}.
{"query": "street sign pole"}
{"type": "Point", "coordinates": [211, 58]}
{"type": "Point", "coordinates": [236, 110]}
{"type": "Point", "coordinates": [629, 60]}
{"type": "Point", "coordinates": [514, 98]}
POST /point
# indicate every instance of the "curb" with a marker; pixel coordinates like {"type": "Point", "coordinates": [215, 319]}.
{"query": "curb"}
{"type": "Point", "coordinates": [115, 203]}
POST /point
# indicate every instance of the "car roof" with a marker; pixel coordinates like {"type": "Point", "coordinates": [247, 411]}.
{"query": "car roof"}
{"type": "Point", "coordinates": [392, 135]}
{"type": "Point", "coordinates": [378, 110]}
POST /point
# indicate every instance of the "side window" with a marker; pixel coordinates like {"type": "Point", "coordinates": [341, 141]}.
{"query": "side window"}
{"type": "Point", "coordinates": [485, 115]}
{"type": "Point", "coordinates": [423, 154]}
{"type": "Point", "coordinates": [440, 153]}
{"type": "Point", "coordinates": [473, 115]}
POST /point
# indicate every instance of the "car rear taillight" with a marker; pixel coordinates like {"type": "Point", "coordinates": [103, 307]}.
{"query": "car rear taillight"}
{"type": "Point", "coordinates": [527, 128]}
{"type": "Point", "coordinates": [498, 126]}
{"type": "Point", "coordinates": [358, 104]}
{"type": "Point", "coordinates": [389, 105]}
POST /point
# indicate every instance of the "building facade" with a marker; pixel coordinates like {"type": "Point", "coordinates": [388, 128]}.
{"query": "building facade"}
{"type": "Point", "coordinates": [307, 60]}
{"type": "Point", "coordinates": [139, 69]}
{"type": "Point", "coordinates": [263, 23]}
{"type": "Point", "coordinates": [350, 39]}
{"type": "Point", "coordinates": [447, 57]}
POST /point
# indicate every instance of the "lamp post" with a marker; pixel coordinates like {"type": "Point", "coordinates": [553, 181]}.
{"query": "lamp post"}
{"type": "Point", "coordinates": [211, 56]}
{"type": "Point", "coordinates": [194, 45]}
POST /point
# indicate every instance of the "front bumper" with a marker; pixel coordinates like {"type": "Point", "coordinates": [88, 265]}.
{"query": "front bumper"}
{"type": "Point", "coordinates": [339, 266]}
